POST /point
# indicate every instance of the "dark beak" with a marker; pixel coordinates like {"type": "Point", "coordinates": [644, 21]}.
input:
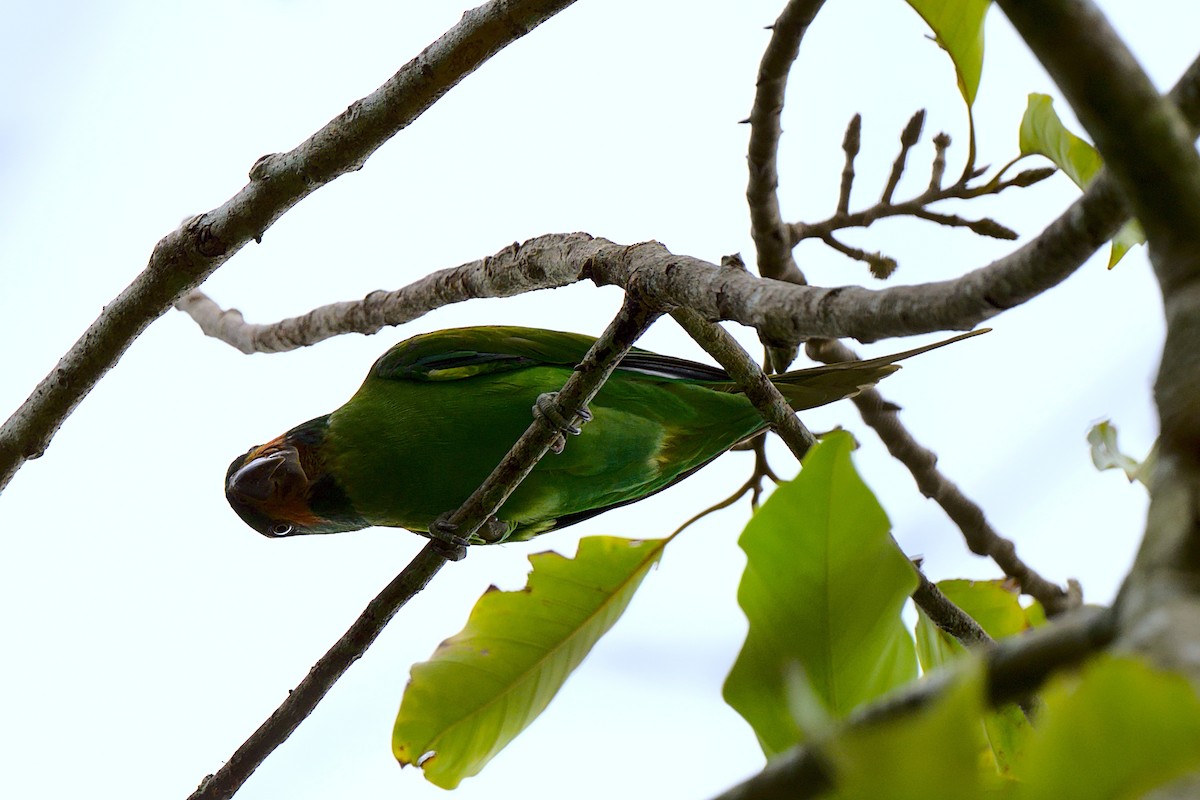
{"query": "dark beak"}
{"type": "Point", "coordinates": [255, 480]}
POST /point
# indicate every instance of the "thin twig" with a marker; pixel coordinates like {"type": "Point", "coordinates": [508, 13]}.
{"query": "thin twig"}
{"type": "Point", "coordinates": [851, 143]}
{"type": "Point", "coordinates": [187, 256]}
{"type": "Point", "coordinates": [980, 536]}
{"type": "Point", "coordinates": [908, 138]}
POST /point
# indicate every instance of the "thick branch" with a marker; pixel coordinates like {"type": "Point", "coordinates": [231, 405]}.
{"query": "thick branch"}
{"type": "Point", "coordinates": [187, 256]}
{"type": "Point", "coordinates": [782, 312]}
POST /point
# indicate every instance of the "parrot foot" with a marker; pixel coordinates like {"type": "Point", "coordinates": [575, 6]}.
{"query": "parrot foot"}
{"type": "Point", "coordinates": [547, 408]}
{"type": "Point", "coordinates": [492, 531]}
{"type": "Point", "coordinates": [442, 534]}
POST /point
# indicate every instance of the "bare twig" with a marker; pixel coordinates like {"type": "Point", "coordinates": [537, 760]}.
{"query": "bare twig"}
{"type": "Point", "coordinates": [908, 138]}
{"type": "Point", "coordinates": [773, 252]}
{"type": "Point", "coordinates": [188, 255]}
{"type": "Point", "coordinates": [980, 536]}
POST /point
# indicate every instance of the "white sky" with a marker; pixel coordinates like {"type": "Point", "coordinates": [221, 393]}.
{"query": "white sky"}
{"type": "Point", "coordinates": [147, 631]}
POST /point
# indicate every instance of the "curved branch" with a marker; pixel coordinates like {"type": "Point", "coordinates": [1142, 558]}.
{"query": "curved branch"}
{"type": "Point", "coordinates": [783, 313]}
{"type": "Point", "coordinates": [187, 256]}
{"type": "Point", "coordinates": [771, 238]}
{"type": "Point", "coordinates": [516, 269]}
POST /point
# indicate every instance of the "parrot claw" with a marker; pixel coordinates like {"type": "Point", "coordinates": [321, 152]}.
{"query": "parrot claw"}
{"type": "Point", "coordinates": [492, 531]}
{"type": "Point", "coordinates": [442, 534]}
{"type": "Point", "coordinates": [547, 408]}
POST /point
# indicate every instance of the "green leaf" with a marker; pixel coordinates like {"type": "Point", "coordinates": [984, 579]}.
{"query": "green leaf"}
{"type": "Point", "coordinates": [485, 684]}
{"type": "Point", "coordinates": [1117, 730]}
{"type": "Point", "coordinates": [1043, 134]}
{"type": "Point", "coordinates": [958, 27]}
{"type": "Point", "coordinates": [1131, 234]}
{"type": "Point", "coordinates": [823, 589]}
{"type": "Point", "coordinates": [1106, 454]}
{"type": "Point", "coordinates": [933, 752]}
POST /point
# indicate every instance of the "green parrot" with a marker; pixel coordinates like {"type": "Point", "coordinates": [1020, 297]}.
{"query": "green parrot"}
{"type": "Point", "coordinates": [437, 412]}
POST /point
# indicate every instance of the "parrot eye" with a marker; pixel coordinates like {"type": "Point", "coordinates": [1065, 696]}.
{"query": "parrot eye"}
{"type": "Point", "coordinates": [280, 528]}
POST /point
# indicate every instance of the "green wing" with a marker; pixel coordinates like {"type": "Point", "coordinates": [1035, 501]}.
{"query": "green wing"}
{"type": "Point", "coordinates": [460, 353]}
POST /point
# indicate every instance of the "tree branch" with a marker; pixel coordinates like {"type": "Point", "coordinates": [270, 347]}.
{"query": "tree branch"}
{"type": "Point", "coordinates": [187, 256]}
{"type": "Point", "coordinates": [749, 376]}
{"type": "Point", "coordinates": [774, 252]}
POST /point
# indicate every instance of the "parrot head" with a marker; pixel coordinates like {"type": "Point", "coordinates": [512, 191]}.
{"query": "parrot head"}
{"type": "Point", "coordinates": [282, 488]}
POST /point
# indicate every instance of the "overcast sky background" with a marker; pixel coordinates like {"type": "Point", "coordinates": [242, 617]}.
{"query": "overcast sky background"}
{"type": "Point", "coordinates": [147, 631]}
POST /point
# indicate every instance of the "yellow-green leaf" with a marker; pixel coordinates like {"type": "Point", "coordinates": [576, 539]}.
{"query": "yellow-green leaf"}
{"type": "Point", "coordinates": [485, 684]}
{"type": "Point", "coordinates": [1106, 454]}
{"type": "Point", "coordinates": [823, 589]}
{"type": "Point", "coordinates": [931, 753]}
{"type": "Point", "coordinates": [958, 27]}
{"type": "Point", "coordinates": [1042, 133]}
{"type": "Point", "coordinates": [1115, 731]}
